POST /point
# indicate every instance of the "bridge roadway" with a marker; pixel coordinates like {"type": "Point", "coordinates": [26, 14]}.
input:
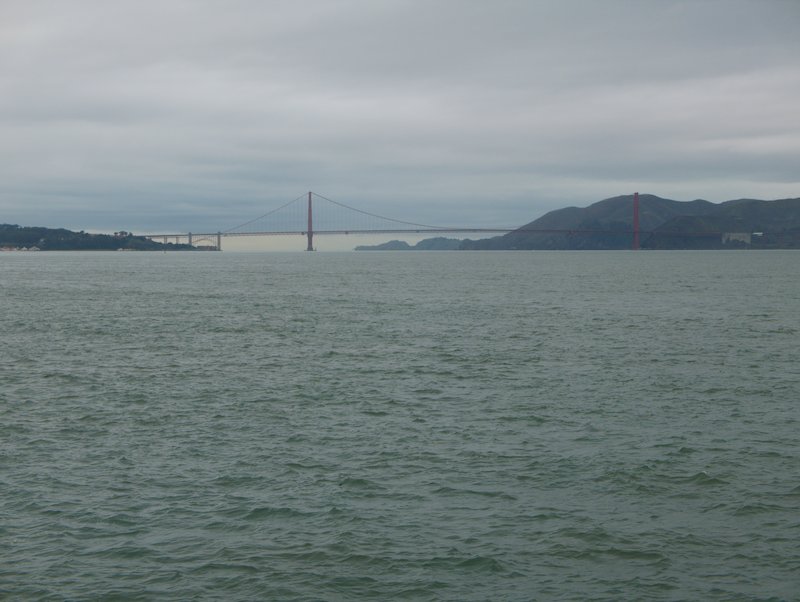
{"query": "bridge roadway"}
{"type": "Point", "coordinates": [195, 237]}
{"type": "Point", "coordinates": [413, 231]}
{"type": "Point", "coordinates": [215, 238]}
{"type": "Point", "coordinates": [406, 227]}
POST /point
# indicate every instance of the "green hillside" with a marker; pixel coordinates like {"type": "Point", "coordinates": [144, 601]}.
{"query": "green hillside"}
{"type": "Point", "coordinates": [59, 239]}
{"type": "Point", "coordinates": [664, 224]}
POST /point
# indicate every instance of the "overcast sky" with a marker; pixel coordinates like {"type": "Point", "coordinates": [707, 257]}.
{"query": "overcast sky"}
{"type": "Point", "coordinates": [198, 115]}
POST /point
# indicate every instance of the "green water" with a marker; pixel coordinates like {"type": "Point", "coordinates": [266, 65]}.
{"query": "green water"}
{"type": "Point", "coordinates": [418, 426]}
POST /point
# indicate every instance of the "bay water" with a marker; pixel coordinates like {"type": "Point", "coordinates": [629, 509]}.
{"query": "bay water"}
{"type": "Point", "coordinates": [400, 426]}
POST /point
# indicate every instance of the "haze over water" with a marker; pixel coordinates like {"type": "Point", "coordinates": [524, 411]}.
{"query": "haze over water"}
{"type": "Point", "coordinates": [420, 426]}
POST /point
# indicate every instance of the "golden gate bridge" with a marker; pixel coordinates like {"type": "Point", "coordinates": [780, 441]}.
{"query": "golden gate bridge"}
{"type": "Point", "coordinates": [312, 214]}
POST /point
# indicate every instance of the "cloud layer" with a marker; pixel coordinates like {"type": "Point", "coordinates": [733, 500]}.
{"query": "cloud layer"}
{"type": "Point", "coordinates": [201, 114]}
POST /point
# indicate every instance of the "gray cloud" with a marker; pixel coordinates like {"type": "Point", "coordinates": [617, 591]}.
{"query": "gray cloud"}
{"type": "Point", "coordinates": [198, 115]}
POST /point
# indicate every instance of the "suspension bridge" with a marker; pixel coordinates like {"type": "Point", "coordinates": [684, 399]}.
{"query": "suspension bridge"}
{"type": "Point", "coordinates": [312, 214]}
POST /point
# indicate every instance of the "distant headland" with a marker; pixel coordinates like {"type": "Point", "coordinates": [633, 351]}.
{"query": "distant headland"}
{"type": "Point", "coordinates": [22, 238]}
{"type": "Point", "coordinates": [664, 224]}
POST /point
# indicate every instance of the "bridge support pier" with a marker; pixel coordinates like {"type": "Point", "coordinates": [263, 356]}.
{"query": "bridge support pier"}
{"type": "Point", "coordinates": [310, 231]}
{"type": "Point", "coordinates": [635, 221]}
{"type": "Point", "coordinates": [219, 241]}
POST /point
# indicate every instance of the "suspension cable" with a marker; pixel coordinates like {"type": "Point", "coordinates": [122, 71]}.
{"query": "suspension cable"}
{"type": "Point", "coordinates": [388, 219]}
{"type": "Point", "coordinates": [265, 215]}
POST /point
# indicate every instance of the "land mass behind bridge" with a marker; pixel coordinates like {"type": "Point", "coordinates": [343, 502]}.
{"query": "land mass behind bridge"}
{"type": "Point", "coordinates": [664, 224]}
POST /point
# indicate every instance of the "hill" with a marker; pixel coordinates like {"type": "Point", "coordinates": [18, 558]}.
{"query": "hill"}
{"type": "Point", "coordinates": [429, 244]}
{"type": "Point", "coordinates": [664, 224]}
{"type": "Point", "coordinates": [59, 239]}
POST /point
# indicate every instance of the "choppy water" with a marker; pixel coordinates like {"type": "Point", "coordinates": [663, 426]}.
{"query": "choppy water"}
{"type": "Point", "coordinates": [418, 426]}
